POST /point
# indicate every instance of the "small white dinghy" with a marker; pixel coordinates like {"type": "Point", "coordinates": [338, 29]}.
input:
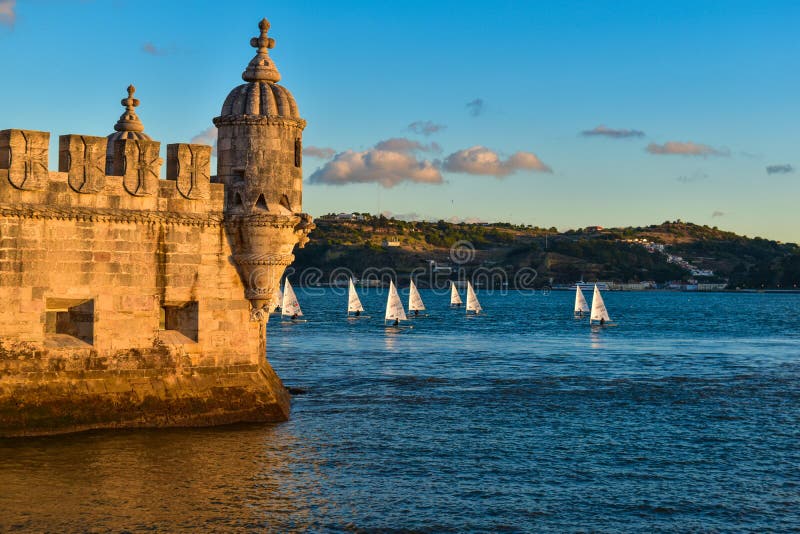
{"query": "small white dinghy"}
{"type": "Point", "coordinates": [394, 307]}
{"type": "Point", "coordinates": [455, 298]}
{"type": "Point", "coordinates": [581, 306]}
{"type": "Point", "coordinates": [472, 301]}
{"type": "Point", "coordinates": [290, 308]}
{"type": "Point", "coordinates": [599, 314]}
{"type": "Point", "coordinates": [415, 304]}
{"type": "Point", "coordinates": [354, 303]}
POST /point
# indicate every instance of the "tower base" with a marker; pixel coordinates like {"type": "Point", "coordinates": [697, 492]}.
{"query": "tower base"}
{"type": "Point", "coordinates": [44, 403]}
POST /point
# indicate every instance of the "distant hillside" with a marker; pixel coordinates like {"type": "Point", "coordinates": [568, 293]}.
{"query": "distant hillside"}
{"type": "Point", "coordinates": [659, 253]}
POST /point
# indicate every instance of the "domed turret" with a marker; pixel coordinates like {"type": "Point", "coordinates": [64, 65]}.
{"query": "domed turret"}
{"type": "Point", "coordinates": [260, 139]}
{"type": "Point", "coordinates": [259, 159]}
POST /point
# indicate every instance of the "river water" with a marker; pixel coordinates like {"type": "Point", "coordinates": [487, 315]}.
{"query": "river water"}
{"type": "Point", "coordinates": [683, 417]}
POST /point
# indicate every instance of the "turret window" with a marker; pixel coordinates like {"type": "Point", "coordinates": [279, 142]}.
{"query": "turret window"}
{"type": "Point", "coordinates": [261, 203]}
{"type": "Point", "coordinates": [285, 202]}
{"type": "Point", "coordinates": [236, 201]}
{"type": "Point", "coordinates": [298, 152]}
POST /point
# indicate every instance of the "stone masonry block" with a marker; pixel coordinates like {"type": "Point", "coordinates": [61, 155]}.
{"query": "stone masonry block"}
{"type": "Point", "coordinates": [83, 158]}
{"type": "Point", "coordinates": [139, 164]}
{"type": "Point", "coordinates": [24, 154]}
{"type": "Point", "coordinates": [190, 167]}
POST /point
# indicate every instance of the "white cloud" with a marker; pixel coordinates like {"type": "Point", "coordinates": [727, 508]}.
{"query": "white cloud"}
{"type": "Point", "coordinates": [401, 144]}
{"type": "Point", "coordinates": [603, 131]}
{"type": "Point", "coordinates": [8, 12]}
{"type": "Point", "coordinates": [425, 127]}
{"type": "Point", "coordinates": [319, 152]}
{"type": "Point", "coordinates": [385, 167]}
{"type": "Point", "coordinates": [483, 161]}
{"type": "Point", "coordinates": [687, 148]}
{"type": "Point", "coordinates": [207, 137]}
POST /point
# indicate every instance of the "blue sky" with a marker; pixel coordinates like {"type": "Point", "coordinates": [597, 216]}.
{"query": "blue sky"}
{"type": "Point", "coordinates": [713, 88]}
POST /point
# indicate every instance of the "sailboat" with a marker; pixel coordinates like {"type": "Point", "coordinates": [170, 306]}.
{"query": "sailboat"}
{"type": "Point", "coordinates": [599, 312]}
{"type": "Point", "coordinates": [277, 300]}
{"type": "Point", "coordinates": [472, 301]}
{"type": "Point", "coordinates": [354, 303]}
{"type": "Point", "coordinates": [455, 298]}
{"type": "Point", "coordinates": [415, 303]}
{"type": "Point", "coordinates": [289, 306]}
{"type": "Point", "coordinates": [394, 307]}
{"type": "Point", "coordinates": [581, 306]}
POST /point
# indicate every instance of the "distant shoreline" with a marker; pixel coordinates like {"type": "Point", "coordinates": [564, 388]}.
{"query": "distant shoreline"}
{"type": "Point", "coordinates": [567, 289]}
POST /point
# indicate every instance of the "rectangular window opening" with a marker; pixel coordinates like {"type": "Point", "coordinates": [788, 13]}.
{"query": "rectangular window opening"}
{"type": "Point", "coordinates": [70, 321]}
{"type": "Point", "coordinates": [179, 318]}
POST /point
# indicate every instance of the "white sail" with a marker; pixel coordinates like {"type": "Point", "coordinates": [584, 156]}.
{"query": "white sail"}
{"type": "Point", "coordinates": [472, 300]}
{"type": "Point", "coordinates": [277, 299]}
{"type": "Point", "coordinates": [394, 306]}
{"type": "Point", "coordinates": [455, 298]}
{"type": "Point", "coordinates": [414, 300]}
{"type": "Point", "coordinates": [581, 306]}
{"type": "Point", "coordinates": [598, 307]}
{"type": "Point", "coordinates": [289, 306]}
{"type": "Point", "coordinates": [353, 302]}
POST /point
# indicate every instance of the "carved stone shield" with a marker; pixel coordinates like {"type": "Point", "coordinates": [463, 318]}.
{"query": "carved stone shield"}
{"type": "Point", "coordinates": [141, 165]}
{"type": "Point", "coordinates": [189, 166]}
{"type": "Point", "coordinates": [83, 157]}
{"type": "Point", "coordinates": [24, 154]}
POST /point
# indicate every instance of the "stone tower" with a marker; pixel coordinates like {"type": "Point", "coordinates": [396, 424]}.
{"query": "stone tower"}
{"type": "Point", "coordinates": [260, 157]}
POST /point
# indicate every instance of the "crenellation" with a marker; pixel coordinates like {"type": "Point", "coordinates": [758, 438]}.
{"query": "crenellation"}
{"type": "Point", "coordinates": [83, 158]}
{"type": "Point", "coordinates": [24, 153]}
{"type": "Point", "coordinates": [190, 167]}
{"type": "Point", "coordinates": [81, 183]}
{"type": "Point", "coordinates": [139, 163]}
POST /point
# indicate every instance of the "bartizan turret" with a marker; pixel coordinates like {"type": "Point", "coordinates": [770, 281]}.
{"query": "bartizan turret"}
{"type": "Point", "coordinates": [260, 157]}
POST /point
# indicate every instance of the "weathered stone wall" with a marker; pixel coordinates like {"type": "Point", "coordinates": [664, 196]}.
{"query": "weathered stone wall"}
{"type": "Point", "coordinates": [95, 268]}
{"type": "Point", "coordinates": [261, 156]}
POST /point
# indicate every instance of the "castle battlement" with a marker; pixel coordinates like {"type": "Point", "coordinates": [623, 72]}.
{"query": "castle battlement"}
{"type": "Point", "coordinates": [129, 300]}
{"type": "Point", "coordinates": [82, 185]}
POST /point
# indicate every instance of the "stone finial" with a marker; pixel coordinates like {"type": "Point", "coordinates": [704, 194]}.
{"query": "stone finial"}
{"type": "Point", "coordinates": [128, 121]}
{"type": "Point", "coordinates": [261, 68]}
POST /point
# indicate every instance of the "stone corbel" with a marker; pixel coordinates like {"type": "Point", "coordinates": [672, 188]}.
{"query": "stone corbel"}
{"type": "Point", "coordinates": [303, 228]}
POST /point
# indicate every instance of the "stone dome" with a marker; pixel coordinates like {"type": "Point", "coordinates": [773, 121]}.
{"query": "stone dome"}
{"type": "Point", "coordinates": [261, 98]}
{"type": "Point", "coordinates": [116, 136]}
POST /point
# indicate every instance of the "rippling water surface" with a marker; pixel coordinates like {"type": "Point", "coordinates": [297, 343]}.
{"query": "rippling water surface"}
{"type": "Point", "coordinates": [685, 416]}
